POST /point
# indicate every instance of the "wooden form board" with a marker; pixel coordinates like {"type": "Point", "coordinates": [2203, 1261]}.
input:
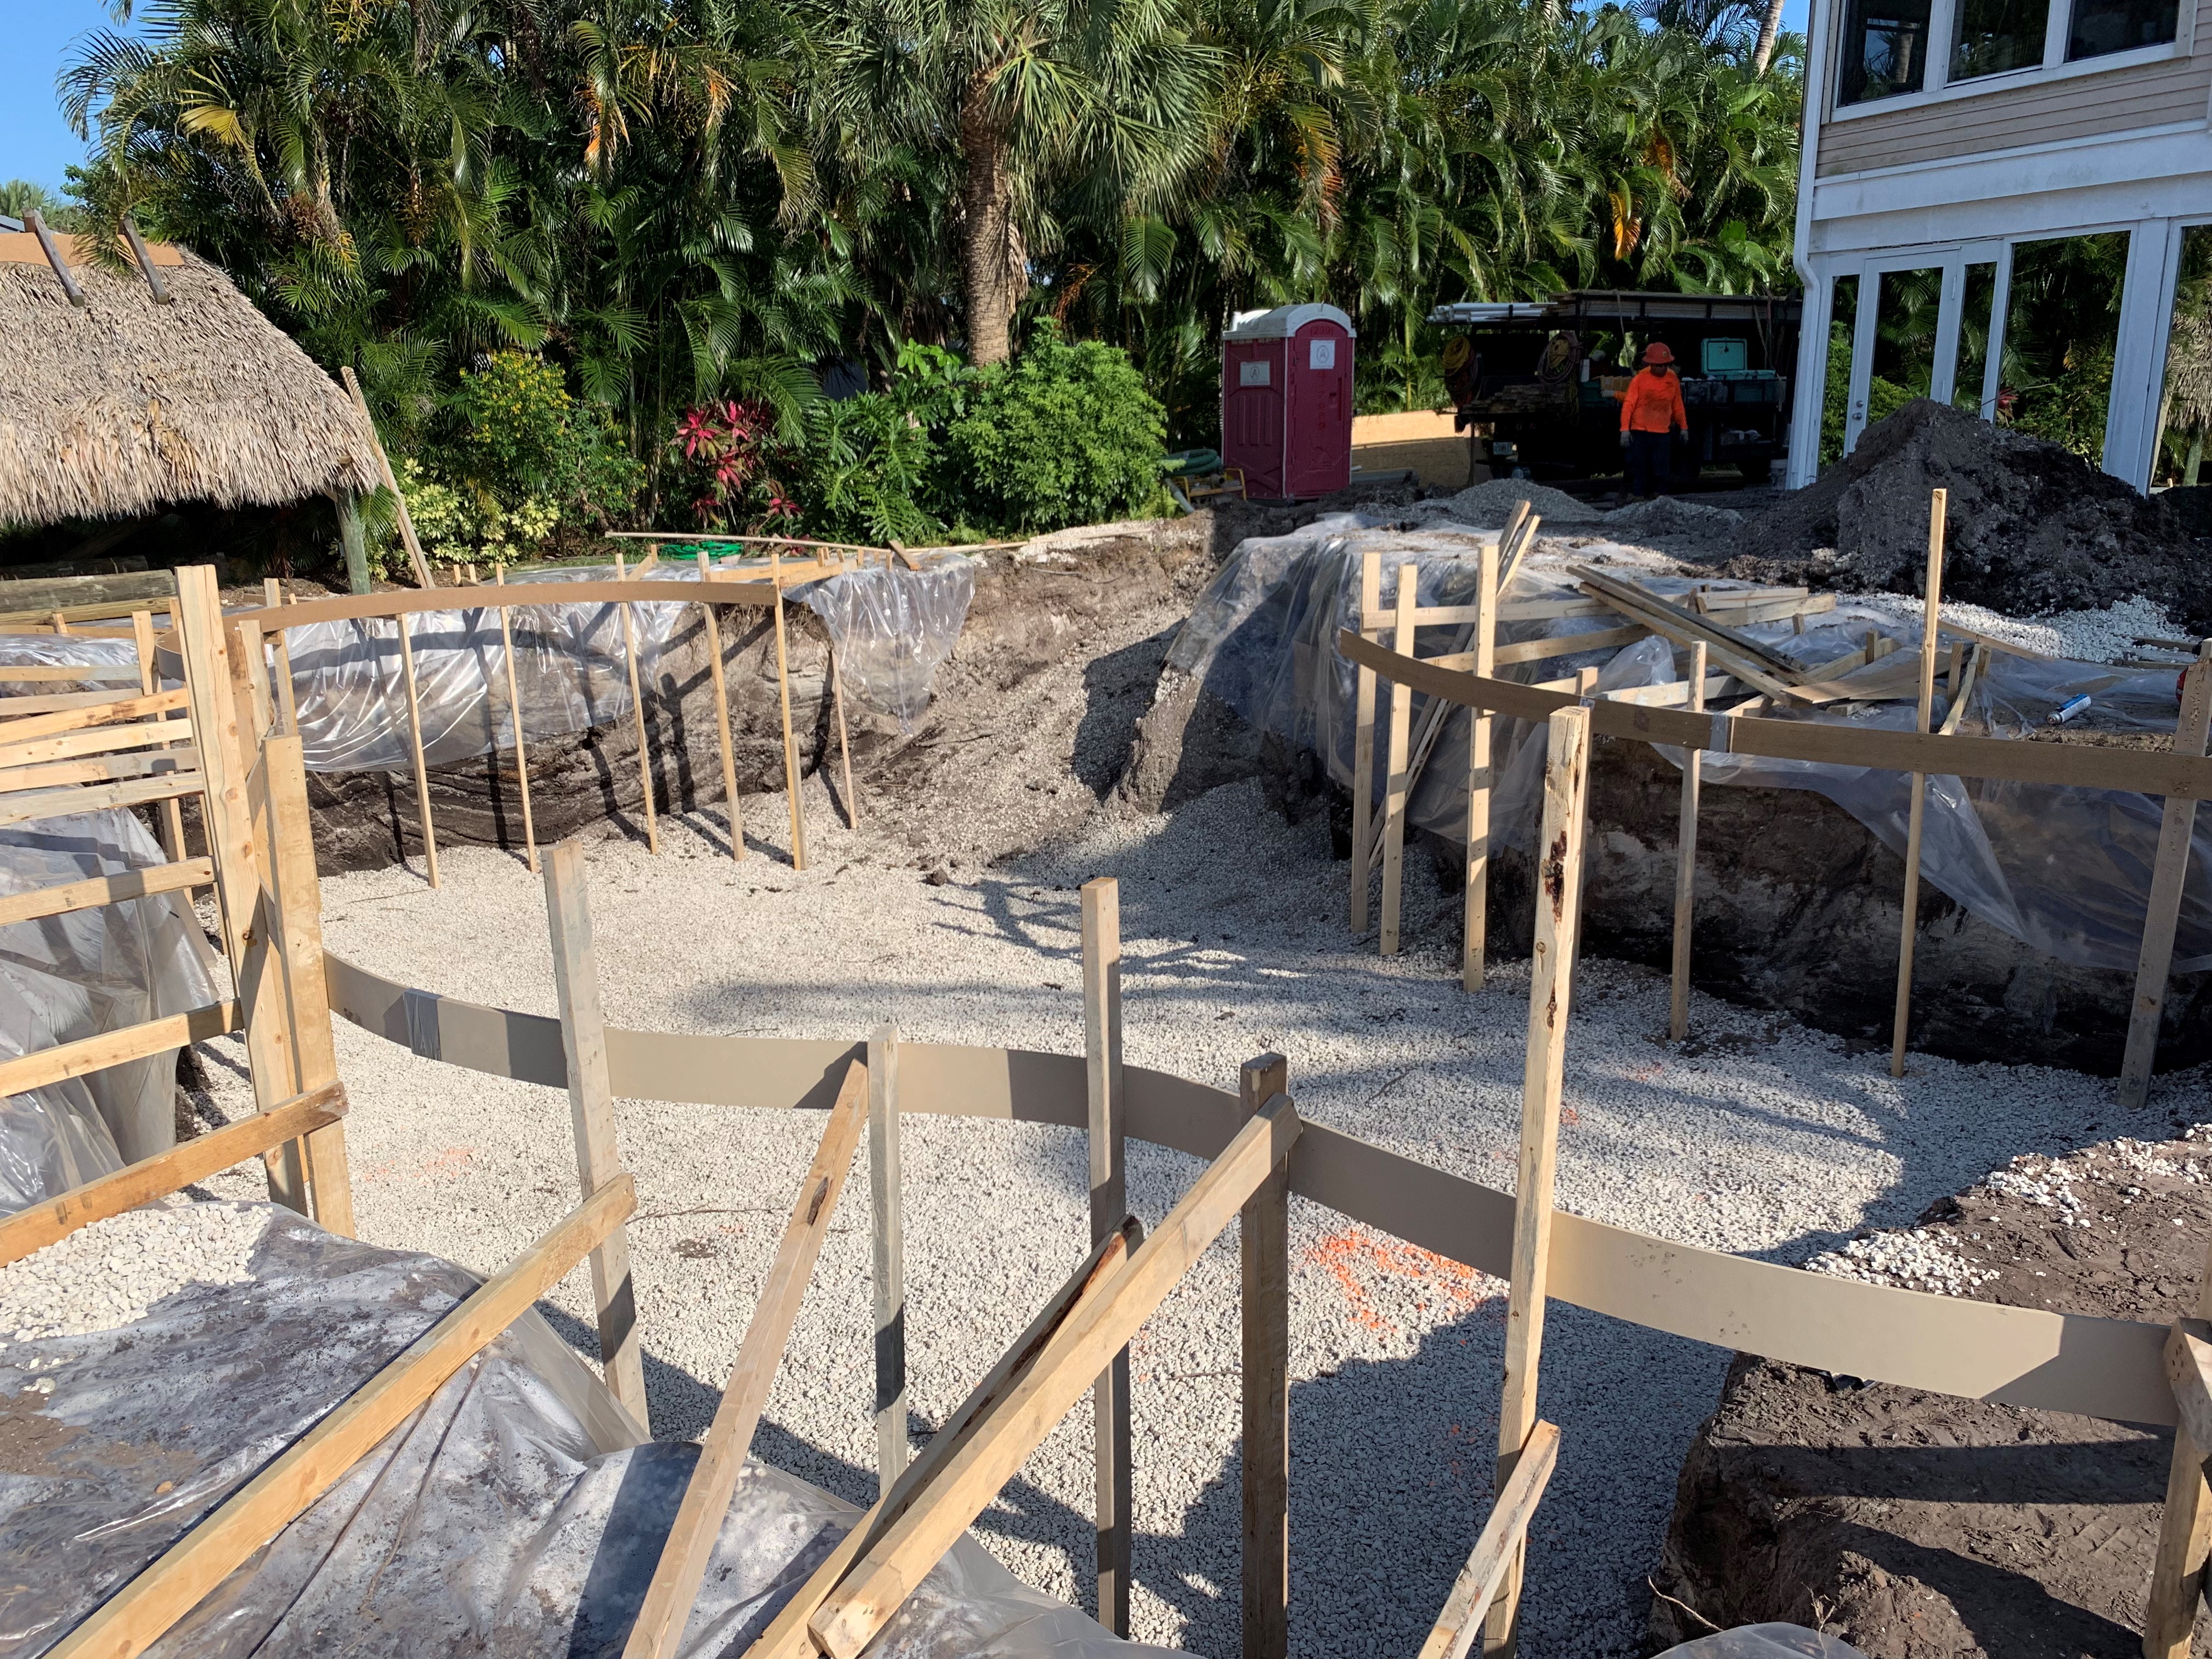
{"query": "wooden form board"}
{"type": "Point", "coordinates": [2016, 1356]}
{"type": "Point", "coordinates": [512, 595]}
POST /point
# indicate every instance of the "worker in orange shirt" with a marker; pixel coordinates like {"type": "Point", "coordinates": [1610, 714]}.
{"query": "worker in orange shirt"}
{"type": "Point", "coordinates": [1651, 413]}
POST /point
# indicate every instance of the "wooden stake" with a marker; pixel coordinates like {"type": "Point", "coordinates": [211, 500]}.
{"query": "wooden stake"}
{"type": "Point", "coordinates": [722, 715]}
{"type": "Point", "coordinates": [1475, 932]}
{"type": "Point", "coordinates": [272, 592]}
{"type": "Point", "coordinates": [422, 566]}
{"type": "Point", "coordinates": [1937, 501]}
{"type": "Point", "coordinates": [415, 745]}
{"type": "Point", "coordinates": [1108, 1130]}
{"type": "Point", "coordinates": [255, 658]}
{"type": "Point", "coordinates": [783, 691]}
{"type": "Point", "coordinates": [591, 1115]}
{"type": "Point", "coordinates": [1685, 857]}
{"type": "Point", "coordinates": [150, 682]}
{"type": "Point", "coordinates": [659, 1627]}
{"type": "Point", "coordinates": [514, 719]}
{"type": "Point", "coordinates": [1363, 740]}
{"type": "Point", "coordinates": [637, 710]}
{"type": "Point", "coordinates": [787, 1635]}
{"type": "Point", "coordinates": [1558, 882]}
{"type": "Point", "coordinates": [1503, 1538]}
{"type": "Point", "coordinates": [844, 743]}
{"type": "Point", "coordinates": [130, 1621]}
{"type": "Point", "coordinates": [887, 1212]}
{"type": "Point", "coordinates": [1264, 1243]}
{"type": "Point", "coordinates": [1394, 768]}
{"type": "Point", "coordinates": [851, 1615]}
{"type": "Point", "coordinates": [2176, 831]}
{"type": "Point", "coordinates": [2184, 1535]}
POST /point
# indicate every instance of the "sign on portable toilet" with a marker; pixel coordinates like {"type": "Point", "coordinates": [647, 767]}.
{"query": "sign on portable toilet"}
{"type": "Point", "coordinates": [1286, 400]}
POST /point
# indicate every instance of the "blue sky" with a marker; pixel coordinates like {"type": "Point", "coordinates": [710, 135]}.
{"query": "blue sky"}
{"type": "Point", "coordinates": [35, 143]}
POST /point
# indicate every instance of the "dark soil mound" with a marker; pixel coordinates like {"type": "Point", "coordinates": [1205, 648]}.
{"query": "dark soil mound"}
{"type": "Point", "coordinates": [2030, 526]}
{"type": "Point", "coordinates": [1922, 1526]}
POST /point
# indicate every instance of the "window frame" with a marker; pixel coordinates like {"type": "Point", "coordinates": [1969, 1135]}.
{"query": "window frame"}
{"type": "Point", "coordinates": [1938, 88]}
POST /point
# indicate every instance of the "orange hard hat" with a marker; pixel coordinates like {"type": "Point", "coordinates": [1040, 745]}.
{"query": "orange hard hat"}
{"type": "Point", "coordinates": [1657, 352]}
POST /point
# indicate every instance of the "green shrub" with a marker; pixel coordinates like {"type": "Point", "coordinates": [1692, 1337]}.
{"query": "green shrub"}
{"type": "Point", "coordinates": [512, 458]}
{"type": "Point", "coordinates": [1063, 435]}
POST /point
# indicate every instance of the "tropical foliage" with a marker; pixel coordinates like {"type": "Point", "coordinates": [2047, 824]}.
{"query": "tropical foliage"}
{"type": "Point", "coordinates": [715, 204]}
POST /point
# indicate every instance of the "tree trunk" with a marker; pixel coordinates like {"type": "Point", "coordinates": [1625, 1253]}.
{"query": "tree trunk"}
{"type": "Point", "coordinates": [1769, 28]}
{"type": "Point", "coordinates": [990, 254]}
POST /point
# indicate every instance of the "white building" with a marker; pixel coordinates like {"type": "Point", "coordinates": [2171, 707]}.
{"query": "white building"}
{"type": "Point", "coordinates": [1951, 146]}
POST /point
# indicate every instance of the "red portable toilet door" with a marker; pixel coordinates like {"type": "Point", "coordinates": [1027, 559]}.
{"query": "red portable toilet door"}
{"type": "Point", "coordinates": [1319, 447]}
{"type": "Point", "coordinates": [1252, 394]}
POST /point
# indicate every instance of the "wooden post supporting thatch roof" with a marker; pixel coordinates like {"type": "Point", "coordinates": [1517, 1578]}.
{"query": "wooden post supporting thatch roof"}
{"type": "Point", "coordinates": [123, 406]}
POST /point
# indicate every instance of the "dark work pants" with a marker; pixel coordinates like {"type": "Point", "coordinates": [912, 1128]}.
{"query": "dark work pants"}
{"type": "Point", "coordinates": [1649, 455]}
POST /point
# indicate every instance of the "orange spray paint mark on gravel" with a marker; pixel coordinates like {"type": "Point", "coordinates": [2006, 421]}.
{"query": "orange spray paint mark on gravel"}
{"type": "Point", "coordinates": [1360, 1263]}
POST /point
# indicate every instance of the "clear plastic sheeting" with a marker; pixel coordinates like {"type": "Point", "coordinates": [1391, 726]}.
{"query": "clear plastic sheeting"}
{"type": "Point", "coordinates": [571, 670]}
{"type": "Point", "coordinates": [2066, 870]}
{"type": "Point", "coordinates": [68, 651]}
{"type": "Point", "coordinates": [891, 628]}
{"type": "Point", "coordinates": [66, 977]}
{"type": "Point", "coordinates": [518, 1513]}
{"type": "Point", "coordinates": [1764, 1641]}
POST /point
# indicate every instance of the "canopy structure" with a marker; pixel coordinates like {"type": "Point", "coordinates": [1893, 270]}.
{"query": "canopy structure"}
{"type": "Point", "coordinates": [136, 384]}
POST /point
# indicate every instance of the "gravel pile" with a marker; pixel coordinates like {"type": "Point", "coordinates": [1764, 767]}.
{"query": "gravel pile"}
{"type": "Point", "coordinates": [1487, 506]}
{"type": "Point", "coordinates": [111, 1274]}
{"type": "Point", "coordinates": [1911, 1261]}
{"type": "Point", "coordinates": [1669, 518]}
{"type": "Point", "coordinates": [1760, 1137]}
{"type": "Point", "coordinates": [2104, 635]}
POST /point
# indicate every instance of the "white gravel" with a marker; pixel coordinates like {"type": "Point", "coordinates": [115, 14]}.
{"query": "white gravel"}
{"type": "Point", "coordinates": [111, 1274]}
{"type": "Point", "coordinates": [2103, 636]}
{"type": "Point", "coordinates": [1762, 1137]}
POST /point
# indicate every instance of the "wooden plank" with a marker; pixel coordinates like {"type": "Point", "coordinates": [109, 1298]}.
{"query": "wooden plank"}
{"type": "Point", "coordinates": [722, 719]}
{"type": "Point", "coordinates": [790, 749]}
{"type": "Point", "coordinates": [288, 706]}
{"type": "Point", "coordinates": [1396, 785]}
{"type": "Point", "coordinates": [1931, 615]}
{"type": "Point", "coordinates": [851, 1616]}
{"type": "Point", "coordinates": [514, 719]}
{"type": "Point", "coordinates": [787, 1635]}
{"type": "Point", "coordinates": [96, 1053]}
{"type": "Point", "coordinates": [659, 1627]}
{"type": "Point", "coordinates": [414, 559]}
{"type": "Point", "coordinates": [255, 654]}
{"type": "Point", "coordinates": [1962, 689]}
{"type": "Point", "coordinates": [2189, 1369]}
{"type": "Point", "coordinates": [591, 1115]}
{"type": "Point", "coordinates": [887, 1253]}
{"type": "Point", "coordinates": [1264, 1248]}
{"type": "Point", "coordinates": [2078, 766]}
{"type": "Point", "coordinates": [293, 927]}
{"type": "Point", "coordinates": [415, 750]}
{"type": "Point", "coordinates": [103, 890]}
{"type": "Point", "coordinates": [100, 710]}
{"type": "Point", "coordinates": [130, 1620]}
{"type": "Point", "coordinates": [1685, 859]}
{"type": "Point", "coordinates": [100, 740]}
{"type": "Point", "coordinates": [1503, 1538]}
{"type": "Point", "coordinates": [149, 682]}
{"type": "Point", "coordinates": [98, 768]}
{"type": "Point", "coordinates": [1567, 645]}
{"type": "Point", "coordinates": [273, 1058]}
{"type": "Point", "coordinates": [44, 674]}
{"type": "Point", "coordinates": [204, 647]}
{"type": "Point", "coordinates": [1362, 747]}
{"type": "Point", "coordinates": [1474, 922]}
{"type": "Point", "coordinates": [637, 712]}
{"type": "Point", "coordinates": [1672, 623]}
{"type": "Point", "coordinates": [150, 1178]}
{"type": "Point", "coordinates": [1109, 1113]}
{"type": "Point", "coordinates": [2177, 830]}
{"type": "Point", "coordinates": [523, 595]}
{"type": "Point", "coordinates": [33, 804]}
{"type": "Point", "coordinates": [2184, 1532]}
{"type": "Point", "coordinates": [1723, 608]}
{"type": "Point", "coordinates": [12, 709]}
{"type": "Point", "coordinates": [1558, 882]}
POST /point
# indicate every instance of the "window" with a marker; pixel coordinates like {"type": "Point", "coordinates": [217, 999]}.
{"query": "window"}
{"type": "Point", "coordinates": [2185, 411]}
{"type": "Point", "coordinates": [1885, 49]}
{"type": "Point", "coordinates": [1976, 307]}
{"type": "Point", "coordinates": [2062, 325]}
{"type": "Point", "coordinates": [2108, 26]}
{"type": "Point", "coordinates": [1993, 36]}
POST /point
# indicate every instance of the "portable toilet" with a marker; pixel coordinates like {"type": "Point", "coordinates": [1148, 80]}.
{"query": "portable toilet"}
{"type": "Point", "coordinates": [1286, 400]}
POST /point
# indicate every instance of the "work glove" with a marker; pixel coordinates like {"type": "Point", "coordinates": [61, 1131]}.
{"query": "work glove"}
{"type": "Point", "coordinates": [1624, 439]}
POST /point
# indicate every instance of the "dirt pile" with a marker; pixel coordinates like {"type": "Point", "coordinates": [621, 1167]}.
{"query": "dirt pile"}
{"type": "Point", "coordinates": [2031, 528]}
{"type": "Point", "coordinates": [1920, 1526]}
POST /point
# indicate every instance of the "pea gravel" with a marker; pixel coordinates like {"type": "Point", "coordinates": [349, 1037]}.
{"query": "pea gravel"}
{"type": "Point", "coordinates": [111, 1274]}
{"type": "Point", "coordinates": [1756, 1136]}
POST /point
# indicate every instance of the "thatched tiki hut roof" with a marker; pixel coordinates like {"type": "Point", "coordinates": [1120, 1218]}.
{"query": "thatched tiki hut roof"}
{"type": "Point", "coordinates": [122, 405]}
